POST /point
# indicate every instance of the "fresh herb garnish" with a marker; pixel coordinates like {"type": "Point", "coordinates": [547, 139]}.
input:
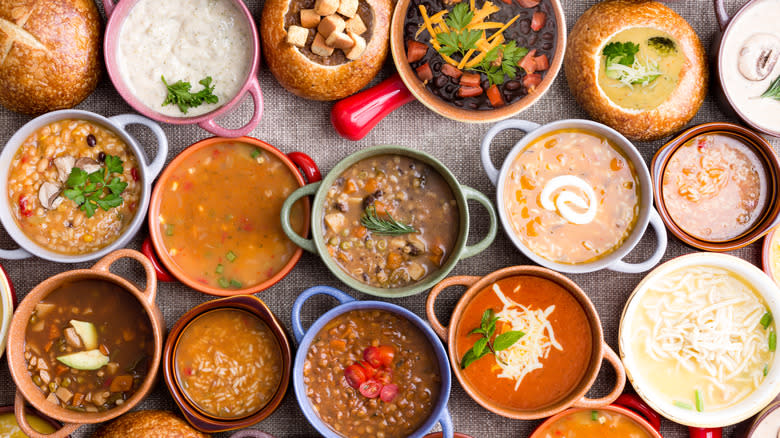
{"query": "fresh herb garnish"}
{"type": "Point", "coordinates": [772, 341]}
{"type": "Point", "coordinates": [388, 225]}
{"type": "Point", "coordinates": [683, 405]}
{"type": "Point", "coordinates": [484, 345]}
{"type": "Point", "coordinates": [231, 256]}
{"type": "Point", "coordinates": [662, 45]}
{"type": "Point", "coordinates": [623, 65]}
{"type": "Point", "coordinates": [594, 415]}
{"type": "Point", "coordinates": [621, 53]}
{"type": "Point", "coordinates": [458, 40]}
{"type": "Point", "coordinates": [699, 401]}
{"type": "Point", "coordinates": [773, 92]}
{"type": "Point", "coordinates": [88, 191]}
{"type": "Point", "coordinates": [766, 369]}
{"type": "Point", "coordinates": [510, 55]}
{"type": "Point", "coordinates": [766, 320]}
{"type": "Point", "coordinates": [460, 16]}
{"type": "Point", "coordinates": [179, 94]}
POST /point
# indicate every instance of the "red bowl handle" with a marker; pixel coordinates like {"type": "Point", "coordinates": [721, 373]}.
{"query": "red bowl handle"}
{"type": "Point", "coordinates": [636, 404]}
{"type": "Point", "coordinates": [356, 115]}
{"type": "Point", "coordinates": [698, 432]}
{"type": "Point", "coordinates": [148, 251]}
{"type": "Point", "coordinates": [307, 166]}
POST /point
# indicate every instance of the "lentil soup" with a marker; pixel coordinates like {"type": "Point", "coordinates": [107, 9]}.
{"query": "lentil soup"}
{"type": "Point", "coordinates": [390, 221]}
{"type": "Point", "coordinates": [228, 363]}
{"type": "Point", "coordinates": [38, 187]}
{"type": "Point", "coordinates": [393, 354]}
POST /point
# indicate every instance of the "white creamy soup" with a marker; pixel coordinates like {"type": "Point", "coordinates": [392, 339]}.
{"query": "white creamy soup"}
{"type": "Point", "coordinates": [759, 21]}
{"type": "Point", "coordinates": [184, 40]}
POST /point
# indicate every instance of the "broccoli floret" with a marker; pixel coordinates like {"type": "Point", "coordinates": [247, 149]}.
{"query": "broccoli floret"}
{"type": "Point", "coordinates": [662, 45]}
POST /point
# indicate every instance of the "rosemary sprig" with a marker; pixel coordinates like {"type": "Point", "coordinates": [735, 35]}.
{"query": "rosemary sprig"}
{"type": "Point", "coordinates": [773, 91]}
{"type": "Point", "coordinates": [378, 225]}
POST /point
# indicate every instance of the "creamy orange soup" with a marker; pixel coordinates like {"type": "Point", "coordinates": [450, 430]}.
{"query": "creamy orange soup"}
{"type": "Point", "coordinates": [219, 215]}
{"type": "Point", "coordinates": [571, 196]}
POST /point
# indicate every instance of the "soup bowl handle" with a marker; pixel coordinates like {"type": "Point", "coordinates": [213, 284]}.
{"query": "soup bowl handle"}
{"type": "Point", "coordinates": [257, 96]}
{"type": "Point", "coordinates": [105, 263]}
{"type": "Point", "coordinates": [636, 404]}
{"type": "Point", "coordinates": [21, 420]}
{"type": "Point", "coordinates": [698, 432]}
{"type": "Point", "coordinates": [153, 169]}
{"type": "Point", "coordinates": [309, 189]}
{"type": "Point", "coordinates": [620, 382]}
{"type": "Point", "coordinates": [660, 249]}
{"type": "Point", "coordinates": [162, 274]}
{"type": "Point", "coordinates": [298, 331]}
{"type": "Point", "coordinates": [307, 166]}
{"type": "Point", "coordinates": [476, 195]}
{"type": "Point", "coordinates": [723, 19]}
{"type": "Point", "coordinates": [487, 163]}
{"type": "Point", "coordinates": [108, 7]}
{"type": "Point", "coordinates": [447, 429]}
{"type": "Point", "coordinates": [430, 303]}
{"type": "Point", "coordinates": [14, 254]}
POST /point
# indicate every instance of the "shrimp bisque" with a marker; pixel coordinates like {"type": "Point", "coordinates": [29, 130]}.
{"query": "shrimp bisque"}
{"type": "Point", "coordinates": [188, 41]}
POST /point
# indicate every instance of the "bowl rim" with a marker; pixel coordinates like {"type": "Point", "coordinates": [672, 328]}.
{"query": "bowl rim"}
{"type": "Point", "coordinates": [444, 108]}
{"type": "Point", "coordinates": [156, 202]}
{"type": "Point", "coordinates": [638, 419]}
{"type": "Point", "coordinates": [766, 254]}
{"type": "Point", "coordinates": [770, 217]}
{"type": "Point", "coordinates": [113, 29]}
{"type": "Point", "coordinates": [6, 304]}
{"type": "Point", "coordinates": [194, 415]}
{"type": "Point", "coordinates": [748, 407]}
{"type": "Point", "coordinates": [29, 410]}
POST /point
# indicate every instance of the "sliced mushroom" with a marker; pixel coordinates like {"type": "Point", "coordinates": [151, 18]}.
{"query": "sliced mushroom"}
{"type": "Point", "coordinates": [87, 165]}
{"type": "Point", "coordinates": [758, 56]}
{"type": "Point", "coordinates": [49, 195]}
{"type": "Point", "coordinates": [64, 166]}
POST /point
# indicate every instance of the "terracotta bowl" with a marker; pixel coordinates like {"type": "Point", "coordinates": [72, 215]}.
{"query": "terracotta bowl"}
{"type": "Point", "coordinates": [26, 389]}
{"type": "Point", "coordinates": [7, 305]}
{"type": "Point", "coordinates": [195, 416]}
{"type": "Point", "coordinates": [576, 396]}
{"type": "Point", "coordinates": [766, 255]}
{"type": "Point", "coordinates": [770, 216]}
{"type": "Point", "coordinates": [168, 270]}
{"type": "Point", "coordinates": [34, 412]}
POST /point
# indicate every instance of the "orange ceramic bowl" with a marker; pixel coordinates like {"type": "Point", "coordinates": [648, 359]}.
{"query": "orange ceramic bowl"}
{"type": "Point", "coordinates": [168, 269]}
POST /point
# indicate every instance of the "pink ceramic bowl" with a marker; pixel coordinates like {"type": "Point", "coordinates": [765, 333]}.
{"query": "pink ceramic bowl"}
{"type": "Point", "coordinates": [117, 13]}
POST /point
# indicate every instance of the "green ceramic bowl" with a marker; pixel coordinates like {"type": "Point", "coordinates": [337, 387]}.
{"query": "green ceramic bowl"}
{"type": "Point", "coordinates": [317, 243]}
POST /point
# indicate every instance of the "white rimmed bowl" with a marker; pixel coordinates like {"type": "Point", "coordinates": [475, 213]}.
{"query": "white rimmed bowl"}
{"type": "Point", "coordinates": [7, 303]}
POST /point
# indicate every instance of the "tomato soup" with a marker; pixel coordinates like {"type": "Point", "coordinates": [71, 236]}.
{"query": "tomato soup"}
{"type": "Point", "coordinates": [595, 424]}
{"type": "Point", "coordinates": [533, 370]}
{"type": "Point", "coordinates": [219, 215]}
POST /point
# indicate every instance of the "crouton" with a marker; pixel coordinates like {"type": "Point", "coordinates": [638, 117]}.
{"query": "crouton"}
{"type": "Point", "coordinates": [348, 8]}
{"type": "Point", "coordinates": [330, 24]}
{"type": "Point", "coordinates": [318, 47]}
{"type": "Point", "coordinates": [297, 36]}
{"type": "Point", "coordinates": [339, 40]}
{"type": "Point", "coordinates": [309, 18]}
{"type": "Point", "coordinates": [326, 7]}
{"type": "Point", "coordinates": [356, 25]}
{"type": "Point", "coordinates": [359, 47]}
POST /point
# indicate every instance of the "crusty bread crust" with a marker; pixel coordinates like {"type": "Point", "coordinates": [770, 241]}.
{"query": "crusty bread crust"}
{"type": "Point", "coordinates": [148, 424]}
{"type": "Point", "coordinates": [49, 53]}
{"type": "Point", "coordinates": [306, 78]}
{"type": "Point", "coordinates": [582, 59]}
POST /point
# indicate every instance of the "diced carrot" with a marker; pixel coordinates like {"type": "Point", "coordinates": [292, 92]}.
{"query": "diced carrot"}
{"type": "Point", "coordinates": [78, 398]}
{"type": "Point", "coordinates": [60, 369]}
{"type": "Point", "coordinates": [359, 231]}
{"type": "Point", "coordinates": [103, 349]}
{"type": "Point", "coordinates": [531, 81]}
{"type": "Point", "coordinates": [469, 91]}
{"type": "Point", "coordinates": [470, 80]}
{"type": "Point", "coordinates": [48, 346]}
{"type": "Point", "coordinates": [542, 63]}
{"type": "Point", "coordinates": [371, 185]}
{"type": "Point", "coordinates": [338, 344]}
{"type": "Point", "coordinates": [380, 207]}
{"type": "Point", "coordinates": [528, 63]}
{"type": "Point", "coordinates": [495, 97]}
{"type": "Point", "coordinates": [394, 260]}
{"type": "Point", "coordinates": [424, 72]}
{"type": "Point", "coordinates": [537, 21]}
{"type": "Point", "coordinates": [509, 2]}
{"type": "Point", "coordinates": [350, 187]}
{"type": "Point", "coordinates": [415, 50]}
{"type": "Point", "coordinates": [451, 70]}
{"type": "Point", "coordinates": [121, 383]}
{"type": "Point", "coordinates": [54, 332]}
{"type": "Point", "coordinates": [437, 254]}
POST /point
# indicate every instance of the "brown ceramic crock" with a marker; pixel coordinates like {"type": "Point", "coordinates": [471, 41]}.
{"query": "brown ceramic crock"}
{"type": "Point", "coordinates": [769, 218]}
{"type": "Point", "coordinates": [26, 389]}
{"type": "Point", "coordinates": [199, 419]}
{"type": "Point", "coordinates": [601, 351]}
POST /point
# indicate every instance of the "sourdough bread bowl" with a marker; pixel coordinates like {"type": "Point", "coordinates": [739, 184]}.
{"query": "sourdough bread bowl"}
{"type": "Point", "coordinates": [49, 53]}
{"type": "Point", "coordinates": [148, 424]}
{"type": "Point", "coordinates": [647, 90]}
{"type": "Point", "coordinates": [308, 61]}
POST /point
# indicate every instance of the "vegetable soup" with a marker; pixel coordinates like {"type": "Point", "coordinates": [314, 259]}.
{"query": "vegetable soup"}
{"type": "Point", "coordinates": [523, 342]}
{"type": "Point", "coordinates": [219, 215]}
{"type": "Point", "coordinates": [390, 221]}
{"type": "Point", "coordinates": [228, 363]}
{"type": "Point", "coordinates": [595, 424]}
{"type": "Point", "coordinates": [571, 196]}
{"type": "Point", "coordinates": [88, 345]}
{"type": "Point", "coordinates": [9, 428]}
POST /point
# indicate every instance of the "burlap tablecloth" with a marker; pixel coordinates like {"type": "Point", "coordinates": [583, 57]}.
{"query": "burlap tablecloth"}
{"type": "Point", "coordinates": [294, 124]}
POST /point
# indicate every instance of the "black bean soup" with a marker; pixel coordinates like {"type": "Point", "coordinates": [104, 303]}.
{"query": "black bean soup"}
{"type": "Point", "coordinates": [535, 29]}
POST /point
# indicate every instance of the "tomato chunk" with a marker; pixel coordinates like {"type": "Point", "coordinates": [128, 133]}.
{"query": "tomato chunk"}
{"type": "Point", "coordinates": [386, 354]}
{"type": "Point", "coordinates": [25, 206]}
{"type": "Point", "coordinates": [384, 376]}
{"type": "Point", "coordinates": [355, 375]}
{"type": "Point", "coordinates": [370, 389]}
{"type": "Point", "coordinates": [470, 80]}
{"type": "Point", "coordinates": [424, 72]}
{"type": "Point", "coordinates": [528, 63]}
{"type": "Point", "coordinates": [538, 20]}
{"type": "Point", "coordinates": [531, 81]}
{"type": "Point", "coordinates": [370, 369]}
{"type": "Point", "coordinates": [495, 97]}
{"type": "Point", "coordinates": [469, 91]}
{"type": "Point", "coordinates": [451, 71]}
{"type": "Point", "coordinates": [388, 393]}
{"type": "Point", "coordinates": [415, 50]}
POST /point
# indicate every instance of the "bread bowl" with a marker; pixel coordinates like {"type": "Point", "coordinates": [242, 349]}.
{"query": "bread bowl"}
{"type": "Point", "coordinates": [49, 56]}
{"type": "Point", "coordinates": [319, 49]}
{"type": "Point", "coordinates": [148, 424]}
{"type": "Point", "coordinates": [648, 91]}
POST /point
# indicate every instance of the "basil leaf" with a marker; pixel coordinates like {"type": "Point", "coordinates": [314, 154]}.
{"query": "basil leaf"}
{"type": "Point", "coordinates": [506, 340]}
{"type": "Point", "coordinates": [479, 347]}
{"type": "Point", "coordinates": [468, 358]}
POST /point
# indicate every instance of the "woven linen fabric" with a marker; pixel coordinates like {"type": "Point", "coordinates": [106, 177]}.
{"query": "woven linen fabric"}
{"type": "Point", "coordinates": [294, 124]}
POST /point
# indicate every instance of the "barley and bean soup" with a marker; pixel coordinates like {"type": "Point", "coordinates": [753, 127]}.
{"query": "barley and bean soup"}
{"type": "Point", "coordinates": [413, 370]}
{"type": "Point", "coordinates": [228, 363]}
{"type": "Point", "coordinates": [88, 345]}
{"type": "Point", "coordinates": [41, 190]}
{"type": "Point", "coordinates": [390, 221]}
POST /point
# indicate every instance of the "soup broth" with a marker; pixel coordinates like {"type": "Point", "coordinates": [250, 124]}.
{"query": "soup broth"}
{"type": "Point", "coordinates": [595, 424]}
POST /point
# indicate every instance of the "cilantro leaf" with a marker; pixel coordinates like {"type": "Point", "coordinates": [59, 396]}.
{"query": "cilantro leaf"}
{"type": "Point", "coordinates": [180, 95]}
{"type": "Point", "coordinates": [509, 55]}
{"type": "Point", "coordinates": [117, 186]}
{"type": "Point", "coordinates": [77, 177]}
{"type": "Point", "coordinates": [97, 176]}
{"type": "Point", "coordinates": [110, 201]}
{"type": "Point", "coordinates": [74, 195]}
{"type": "Point", "coordinates": [114, 164]}
{"type": "Point", "coordinates": [459, 17]}
{"type": "Point", "coordinates": [449, 43]}
{"type": "Point", "coordinates": [468, 39]}
{"type": "Point", "coordinates": [88, 191]}
{"type": "Point", "coordinates": [89, 208]}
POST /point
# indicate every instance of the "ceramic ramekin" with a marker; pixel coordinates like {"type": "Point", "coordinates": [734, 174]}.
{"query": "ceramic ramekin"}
{"type": "Point", "coordinates": [647, 214]}
{"type": "Point", "coordinates": [31, 411]}
{"type": "Point", "coordinates": [771, 214]}
{"type": "Point", "coordinates": [766, 255]}
{"type": "Point", "coordinates": [117, 14]}
{"type": "Point", "coordinates": [748, 407]}
{"type": "Point", "coordinates": [194, 415]}
{"type": "Point", "coordinates": [117, 125]}
{"type": "Point", "coordinates": [317, 243]}
{"type": "Point", "coordinates": [26, 390]}
{"type": "Point", "coordinates": [600, 352]}
{"type": "Point", "coordinates": [346, 303]}
{"type": "Point", "coordinates": [154, 248]}
{"type": "Point", "coordinates": [7, 304]}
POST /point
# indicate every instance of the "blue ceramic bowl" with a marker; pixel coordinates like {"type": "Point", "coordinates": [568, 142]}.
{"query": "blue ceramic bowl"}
{"type": "Point", "coordinates": [304, 338]}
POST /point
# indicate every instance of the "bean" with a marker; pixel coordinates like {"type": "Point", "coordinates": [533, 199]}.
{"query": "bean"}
{"type": "Point", "coordinates": [547, 36]}
{"type": "Point", "coordinates": [525, 26]}
{"type": "Point", "coordinates": [547, 45]}
{"type": "Point", "coordinates": [440, 81]}
{"type": "Point", "coordinates": [91, 140]}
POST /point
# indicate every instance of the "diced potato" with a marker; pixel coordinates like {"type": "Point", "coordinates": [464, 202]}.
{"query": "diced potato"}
{"type": "Point", "coordinates": [356, 25]}
{"type": "Point", "coordinates": [359, 47]}
{"type": "Point", "coordinates": [416, 271]}
{"type": "Point", "coordinates": [326, 7]}
{"type": "Point", "coordinates": [72, 338]}
{"type": "Point", "coordinates": [318, 47]}
{"type": "Point", "coordinates": [339, 40]}
{"type": "Point", "coordinates": [43, 309]}
{"type": "Point", "coordinates": [336, 221]}
{"type": "Point", "coordinates": [52, 398]}
{"type": "Point", "coordinates": [297, 36]}
{"type": "Point", "coordinates": [64, 394]}
{"type": "Point", "coordinates": [331, 24]}
{"type": "Point", "coordinates": [309, 18]}
{"type": "Point", "coordinates": [98, 398]}
{"type": "Point", "coordinates": [112, 368]}
{"type": "Point", "coordinates": [348, 8]}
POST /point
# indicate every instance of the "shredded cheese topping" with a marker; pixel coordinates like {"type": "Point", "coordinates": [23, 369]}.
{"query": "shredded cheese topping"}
{"type": "Point", "coordinates": [525, 355]}
{"type": "Point", "coordinates": [639, 73]}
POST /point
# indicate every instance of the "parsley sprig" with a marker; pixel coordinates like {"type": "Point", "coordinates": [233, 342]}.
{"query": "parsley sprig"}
{"type": "Point", "coordinates": [485, 345]}
{"type": "Point", "coordinates": [88, 191]}
{"type": "Point", "coordinates": [459, 40]}
{"type": "Point", "coordinates": [510, 56]}
{"type": "Point", "coordinates": [179, 94]}
{"type": "Point", "coordinates": [620, 53]}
